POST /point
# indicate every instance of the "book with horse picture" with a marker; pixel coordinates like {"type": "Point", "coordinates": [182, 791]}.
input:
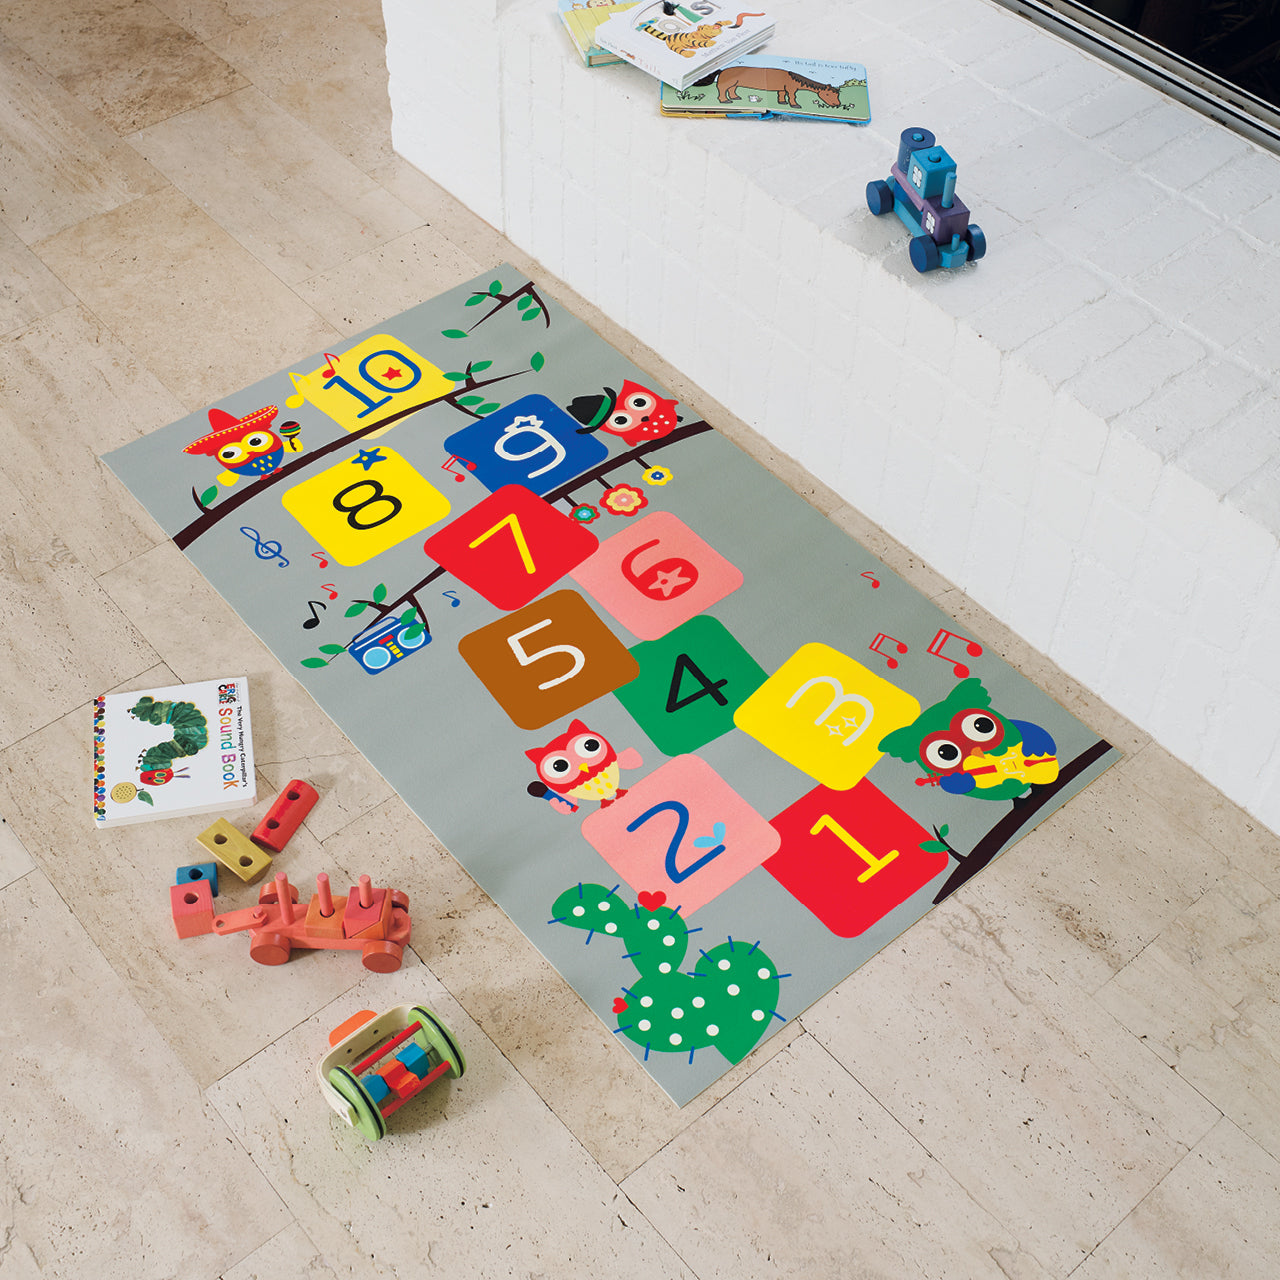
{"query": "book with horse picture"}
{"type": "Point", "coordinates": [764, 85]}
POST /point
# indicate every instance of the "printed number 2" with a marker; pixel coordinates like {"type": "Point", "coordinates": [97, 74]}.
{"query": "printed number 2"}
{"type": "Point", "coordinates": [675, 873]}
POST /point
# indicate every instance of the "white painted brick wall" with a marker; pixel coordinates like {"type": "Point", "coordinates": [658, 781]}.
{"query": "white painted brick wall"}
{"type": "Point", "coordinates": [1102, 386]}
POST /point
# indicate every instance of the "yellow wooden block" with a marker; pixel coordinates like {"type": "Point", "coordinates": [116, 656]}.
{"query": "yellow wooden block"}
{"type": "Point", "coordinates": [234, 850]}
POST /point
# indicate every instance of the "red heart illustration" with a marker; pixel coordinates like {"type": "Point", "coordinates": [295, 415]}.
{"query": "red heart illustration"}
{"type": "Point", "coordinates": [619, 1005]}
{"type": "Point", "coordinates": [652, 901]}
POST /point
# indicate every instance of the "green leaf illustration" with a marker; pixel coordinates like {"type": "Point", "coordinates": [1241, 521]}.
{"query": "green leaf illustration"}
{"type": "Point", "coordinates": [478, 365]}
{"type": "Point", "coordinates": [314, 662]}
{"type": "Point", "coordinates": [532, 313]}
{"type": "Point", "coordinates": [933, 846]}
{"type": "Point", "coordinates": [942, 830]}
{"type": "Point", "coordinates": [331, 648]}
{"type": "Point", "coordinates": [380, 592]}
{"type": "Point", "coordinates": [408, 615]}
{"type": "Point", "coordinates": [412, 633]}
{"type": "Point", "coordinates": [456, 377]}
{"type": "Point", "coordinates": [207, 497]}
{"type": "Point", "coordinates": [536, 361]}
{"type": "Point", "coordinates": [453, 333]}
{"type": "Point", "coordinates": [475, 297]}
{"type": "Point", "coordinates": [355, 609]}
{"type": "Point", "coordinates": [526, 301]}
{"type": "Point", "coordinates": [487, 408]}
{"type": "Point", "coordinates": [471, 399]}
{"type": "Point", "coordinates": [496, 287]}
{"type": "Point", "coordinates": [145, 797]}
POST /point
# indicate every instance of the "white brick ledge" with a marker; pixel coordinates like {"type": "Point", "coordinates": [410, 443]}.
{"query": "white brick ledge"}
{"type": "Point", "coordinates": [1079, 431]}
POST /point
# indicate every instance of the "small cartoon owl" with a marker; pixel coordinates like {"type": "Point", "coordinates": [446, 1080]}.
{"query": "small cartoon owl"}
{"type": "Point", "coordinates": [245, 446]}
{"type": "Point", "coordinates": [582, 765]}
{"type": "Point", "coordinates": [968, 749]}
{"type": "Point", "coordinates": [635, 413]}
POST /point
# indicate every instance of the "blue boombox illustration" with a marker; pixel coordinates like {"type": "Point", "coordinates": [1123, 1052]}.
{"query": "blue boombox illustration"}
{"type": "Point", "coordinates": [387, 642]}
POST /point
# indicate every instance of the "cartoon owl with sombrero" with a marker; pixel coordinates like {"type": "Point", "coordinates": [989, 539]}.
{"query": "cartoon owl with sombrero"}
{"type": "Point", "coordinates": [634, 413]}
{"type": "Point", "coordinates": [245, 446]}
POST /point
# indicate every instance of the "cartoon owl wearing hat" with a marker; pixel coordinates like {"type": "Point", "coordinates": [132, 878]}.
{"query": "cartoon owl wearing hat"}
{"type": "Point", "coordinates": [245, 446]}
{"type": "Point", "coordinates": [634, 413]}
{"type": "Point", "coordinates": [968, 749]}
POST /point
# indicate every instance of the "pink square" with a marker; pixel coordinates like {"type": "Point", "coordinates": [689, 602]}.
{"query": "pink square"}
{"type": "Point", "coordinates": [682, 831]}
{"type": "Point", "coordinates": [656, 574]}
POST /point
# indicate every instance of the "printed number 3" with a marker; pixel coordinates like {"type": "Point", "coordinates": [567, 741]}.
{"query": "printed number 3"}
{"type": "Point", "coordinates": [526, 659]}
{"type": "Point", "coordinates": [674, 873]}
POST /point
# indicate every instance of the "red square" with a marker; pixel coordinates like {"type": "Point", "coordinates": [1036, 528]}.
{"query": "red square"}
{"type": "Point", "coordinates": [852, 856]}
{"type": "Point", "coordinates": [511, 546]}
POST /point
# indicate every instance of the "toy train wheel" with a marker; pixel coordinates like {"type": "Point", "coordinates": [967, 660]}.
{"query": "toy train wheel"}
{"type": "Point", "coordinates": [976, 241]}
{"type": "Point", "coordinates": [924, 253]}
{"type": "Point", "coordinates": [400, 899]}
{"type": "Point", "coordinates": [269, 894]}
{"type": "Point", "coordinates": [879, 197]}
{"type": "Point", "coordinates": [440, 1039]}
{"type": "Point", "coordinates": [269, 948]}
{"type": "Point", "coordinates": [363, 1113]}
{"type": "Point", "coordinates": [381, 957]}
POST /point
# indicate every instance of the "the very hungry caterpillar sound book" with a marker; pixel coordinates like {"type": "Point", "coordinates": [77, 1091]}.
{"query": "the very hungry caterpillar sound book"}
{"type": "Point", "coordinates": [163, 753]}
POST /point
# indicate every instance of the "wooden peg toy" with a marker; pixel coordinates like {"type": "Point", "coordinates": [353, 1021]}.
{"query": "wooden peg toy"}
{"type": "Point", "coordinates": [234, 850]}
{"type": "Point", "coordinates": [285, 816]}
{"type": "Point", "coordinates": [199, 871]}
{"type": "Point", "coordinates": [192, 908]}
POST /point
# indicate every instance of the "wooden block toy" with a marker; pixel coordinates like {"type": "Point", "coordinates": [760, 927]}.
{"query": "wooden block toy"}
{"type": "Point", "coordinates": [235, 851]}
{"type": "Point", "coordinates": [199, 871]}
{"type": "Point", "coordinates": [284, 817]}
{"type": "Point", "coordinates": [368, 911]}
{"type": "Point", "coordinates": [278, 924]}
{"type": "Point", "coordinates": [192, 908]}
{"type": "Point", "coordinates": [362, 1090]}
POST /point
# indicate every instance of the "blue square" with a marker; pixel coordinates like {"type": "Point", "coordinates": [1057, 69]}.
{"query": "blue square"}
{"type": "Point", "coordinates": [532, 442]}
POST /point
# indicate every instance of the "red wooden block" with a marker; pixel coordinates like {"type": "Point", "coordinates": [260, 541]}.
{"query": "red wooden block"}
{"type": "Point", "coordinates": [192, 907]}
{"type": "Point", "coordinates": [402, 1081]}
{"type": "Point", "coordinates": [284, 817]}
{"type": "Point", "coordinates": [372, 921]}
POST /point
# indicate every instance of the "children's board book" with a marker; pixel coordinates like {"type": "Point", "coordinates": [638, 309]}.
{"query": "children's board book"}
{"type": "Point", "coordinates": [581, 18]}
{"type": "Point", "coordinates": [763, 86]}
{"type": "Point", "coordinates": [681, 43]}
{"type": "Point", "coordinates": [162, 753]}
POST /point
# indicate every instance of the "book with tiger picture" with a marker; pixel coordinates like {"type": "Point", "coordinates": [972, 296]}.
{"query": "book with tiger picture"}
{"type": "Point", "coordinates": [682, 42]}
{"type": "Point", "coordinates": [165, 753]}
{"type": "Point", "coordinates": [763, 86]}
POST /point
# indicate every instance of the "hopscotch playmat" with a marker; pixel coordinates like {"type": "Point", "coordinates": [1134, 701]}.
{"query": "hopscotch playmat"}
{"type": "Point", "coordinates": [706, 751]}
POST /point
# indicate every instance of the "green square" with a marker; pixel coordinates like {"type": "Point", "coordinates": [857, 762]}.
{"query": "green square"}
{"type": "Point", "coordinates": [691, 682]}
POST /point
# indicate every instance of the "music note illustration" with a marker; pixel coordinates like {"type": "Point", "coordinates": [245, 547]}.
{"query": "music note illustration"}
{"type": "Point", "coordinates": [298, 399]}
{"type": "Point", "coordinates": [880, 639]}
{"type": "Point", "coordinates": [329, 370]}
{"type": "Point", "coordinates": [448, 466]}
{"type": "Point", "coordinates": [331, 588]}
{"type": "Point", "coordinates": [939, 643]}
{"type": "Point", "coordinates": [264, 550]}
{"type": "Point", "coordinates": [874, 580]}
{"type": "Point", "coordinates": [314, 620]}
{"type": "Point", "coordinates": [324, 564]}
{"type": "Point", "coordinates": [454, 602]}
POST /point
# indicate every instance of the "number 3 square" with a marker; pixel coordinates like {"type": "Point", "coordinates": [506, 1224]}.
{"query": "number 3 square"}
{"type": "Point", "coordinates": [682, 830]}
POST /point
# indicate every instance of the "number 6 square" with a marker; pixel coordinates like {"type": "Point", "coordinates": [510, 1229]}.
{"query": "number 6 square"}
{"type": "Point", "coordinates": [684, 831]}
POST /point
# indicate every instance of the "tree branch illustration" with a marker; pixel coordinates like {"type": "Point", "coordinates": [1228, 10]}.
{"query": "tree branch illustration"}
{"type": "Point", "coordinates": [990, 845]}
{"type": "Point", "coordinates": [530, 308]}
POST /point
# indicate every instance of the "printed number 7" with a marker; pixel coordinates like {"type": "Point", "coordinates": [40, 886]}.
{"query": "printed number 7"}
{"type": "Point", "coordinates": [526, 659]}
{"type": "Point", "coordinates": [517, 533]}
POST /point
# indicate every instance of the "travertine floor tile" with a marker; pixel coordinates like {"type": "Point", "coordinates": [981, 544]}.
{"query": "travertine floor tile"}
{"type": "Point", "coordinates": [204, 315]}
{"type": "Point", "coordinates": [15, 861]}
{"type": "Point", "coordinates": [1032, 1097]}
{"type": "Point", "coordinates": [610, 1104]}
{"type": "Point", "coordinates": [296, 204]}
{"type": "Point", "coordinates": [72, 390]}
{"type": "Point", "coordinates": [28, 289]}
{"type": "Point", "coordinates": [1203, 996]}
{"type": "Point", "coordinates": [122, 59]}
{"type": "Point", "coordinates": [59, 163]}
{"type": "Point", "coordinates": [287, 1256]}
{"type": "Point", "coordinates": [1216, 1215]}
{"type": "Point", "coordinates": [115, 1166]}
{"type": "Point", "coordinates": [774, 1182]}
{"type": "Point", "coordinates": [476, 1178]}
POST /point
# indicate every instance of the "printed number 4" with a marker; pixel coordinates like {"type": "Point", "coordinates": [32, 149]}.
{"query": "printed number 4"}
{"type": "Point", "coordinates": [674, 873]}
{"type": "Point", "coordinates": [527, 659]}
{"type": "Point", "coordinates": [707, 688]}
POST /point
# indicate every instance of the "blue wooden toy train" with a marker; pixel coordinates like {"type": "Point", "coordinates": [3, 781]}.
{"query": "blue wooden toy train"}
{"type": "Point", "coordinates": [921, 190]}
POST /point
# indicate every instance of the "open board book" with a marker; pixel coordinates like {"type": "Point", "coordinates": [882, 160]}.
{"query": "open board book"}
{"type": "Point", "coordinates": [762, 86]}
{"type": "Point", "coordinates": [163, 753]}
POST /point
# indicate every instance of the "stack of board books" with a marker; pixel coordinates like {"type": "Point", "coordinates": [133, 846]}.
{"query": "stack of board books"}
{"type": "Point", "coordinates": [581, 18]}
{"type": "Point", "coordinates": [163, 753]}
{"type": "Point", "coordinates": [762, 87]}
{"type": "Point", "coordinates": [682, 42]}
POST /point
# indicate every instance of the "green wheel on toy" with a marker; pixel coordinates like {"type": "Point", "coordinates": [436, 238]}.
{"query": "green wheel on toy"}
{"type": "Point", "coordinates": [438, 1037]}
{"type": "Point", "coordinates": [368, 1119]}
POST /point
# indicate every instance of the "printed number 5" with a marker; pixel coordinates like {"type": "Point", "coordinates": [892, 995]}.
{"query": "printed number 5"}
{"type": "Point", "coordinates": [527, 659]}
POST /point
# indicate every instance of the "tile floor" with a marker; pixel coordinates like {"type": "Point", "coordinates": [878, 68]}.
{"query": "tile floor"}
{"type": "Point", "coordinates": [1071, 1068]}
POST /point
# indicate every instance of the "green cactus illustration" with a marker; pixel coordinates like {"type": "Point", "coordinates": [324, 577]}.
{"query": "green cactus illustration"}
{"type": "Point", "coordinates": [724, 1002]}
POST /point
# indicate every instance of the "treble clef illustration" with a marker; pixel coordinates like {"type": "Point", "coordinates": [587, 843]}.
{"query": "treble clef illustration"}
{"type": "Point", "coordinates": [264, 550]}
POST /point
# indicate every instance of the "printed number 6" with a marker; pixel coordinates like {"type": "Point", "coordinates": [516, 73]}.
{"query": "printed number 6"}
{"type": "Point", "coordinates": [526, 659]}
{"type": "Point", "coordinates": [676, 874]}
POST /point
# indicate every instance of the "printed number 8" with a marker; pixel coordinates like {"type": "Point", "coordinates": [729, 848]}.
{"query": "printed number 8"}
{"type": "Point", "coordinates": [376, 496]}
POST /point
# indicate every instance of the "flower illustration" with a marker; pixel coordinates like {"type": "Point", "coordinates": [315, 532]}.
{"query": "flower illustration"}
{"type": "Point", "coordinates": [624, 500]}
{"type": "Point", "coordinates": [657, 475]}
{"type": "Point", "coordinates": [584, 513]}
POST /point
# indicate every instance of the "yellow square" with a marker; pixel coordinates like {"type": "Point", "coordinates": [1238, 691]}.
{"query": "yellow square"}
{"type": "Point", "coordinates": [374, 379]}
{"type": "Point", "coordinates": [825, 713]}
{"type": "Point", "coordinates": [365, 504]}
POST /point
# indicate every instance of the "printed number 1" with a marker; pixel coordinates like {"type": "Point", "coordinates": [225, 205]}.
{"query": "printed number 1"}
{"type": "Point", "coordinates": [874, 864]}
{"type": "Point", "coordinates": [516, 532]}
